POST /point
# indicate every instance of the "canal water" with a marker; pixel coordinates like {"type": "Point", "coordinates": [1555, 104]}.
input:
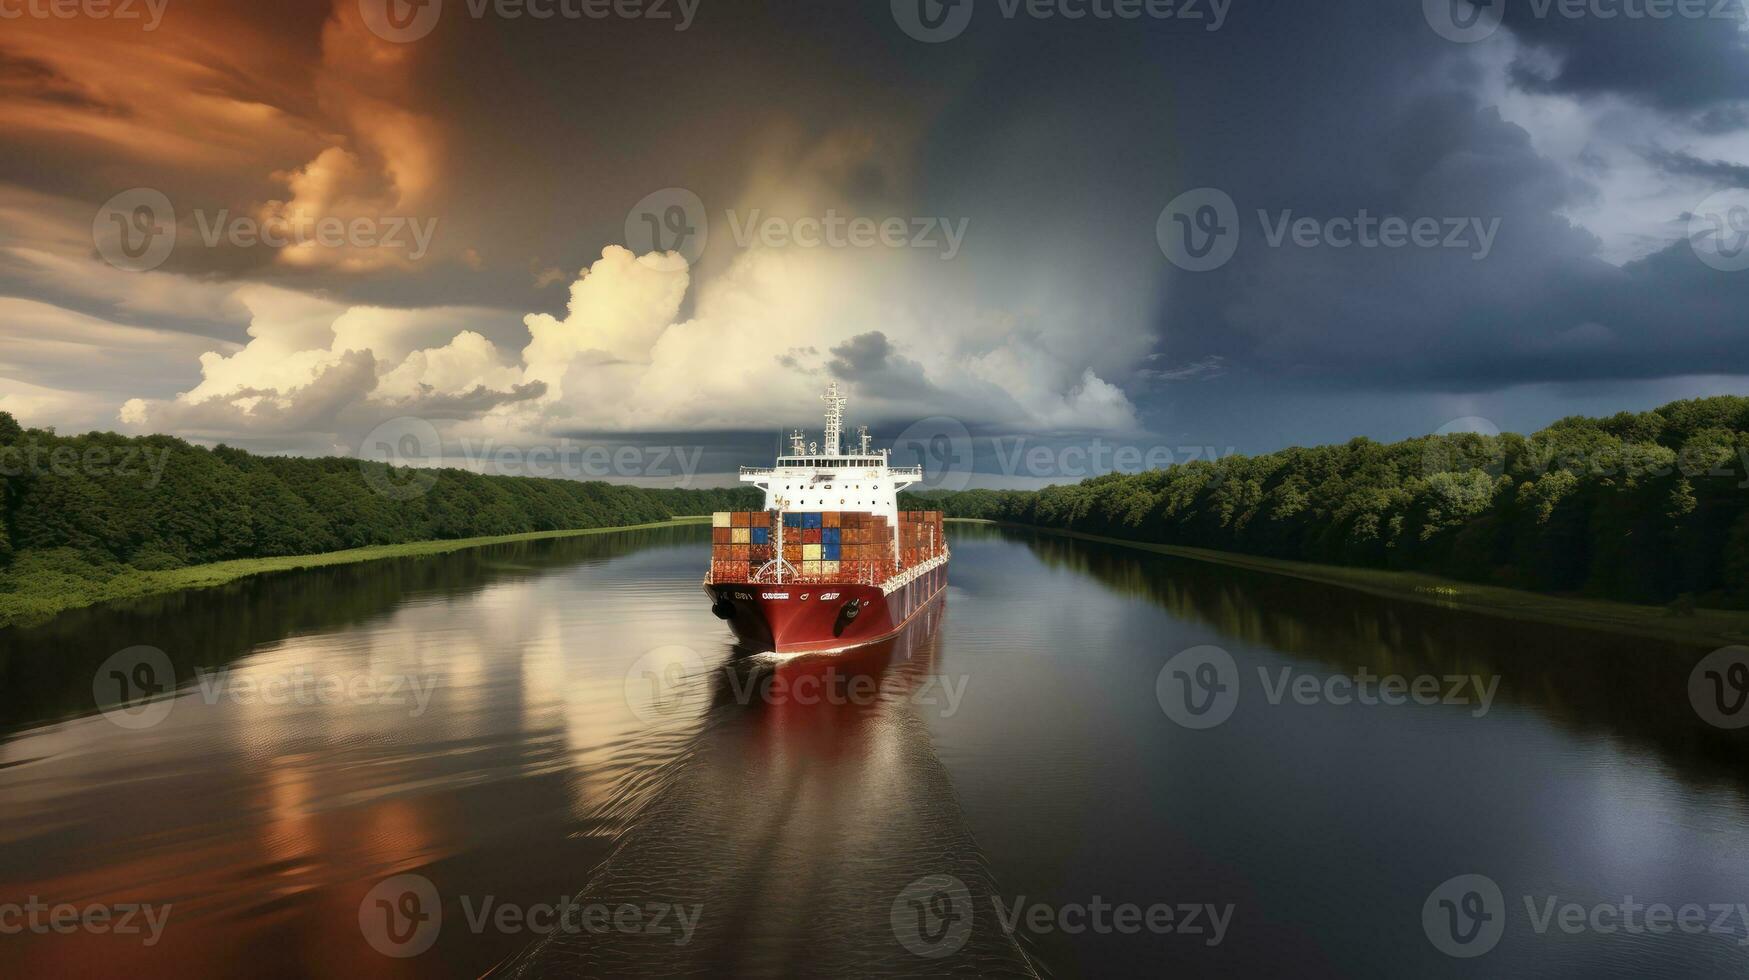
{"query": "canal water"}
{"type": "Point", "coordinates": [548, 759]}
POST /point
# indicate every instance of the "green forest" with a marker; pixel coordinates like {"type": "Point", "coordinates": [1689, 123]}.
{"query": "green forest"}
{"type": "Point", "coordinates": [94, 506]}
{"type": "Point", "coordinates": [1649, 507]}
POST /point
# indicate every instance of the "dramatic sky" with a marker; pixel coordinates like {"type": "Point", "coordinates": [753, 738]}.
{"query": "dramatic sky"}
{"type": "Point", "coordinates": [668, 223]}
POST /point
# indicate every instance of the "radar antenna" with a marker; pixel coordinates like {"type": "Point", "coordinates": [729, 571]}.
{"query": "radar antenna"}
{"type": "Point", "coordinates": [834, 417]}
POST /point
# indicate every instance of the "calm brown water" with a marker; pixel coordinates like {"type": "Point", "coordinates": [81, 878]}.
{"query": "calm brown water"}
{"type": "Point", "coordinates": [442, 756]}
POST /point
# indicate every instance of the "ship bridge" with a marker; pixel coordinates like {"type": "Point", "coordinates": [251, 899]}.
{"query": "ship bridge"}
{"type": "Point", "coordinates": [815, 477]}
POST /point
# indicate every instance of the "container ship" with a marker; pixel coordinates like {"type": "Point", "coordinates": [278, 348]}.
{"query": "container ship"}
{"type": "Point", "coordinates": [831, 562]}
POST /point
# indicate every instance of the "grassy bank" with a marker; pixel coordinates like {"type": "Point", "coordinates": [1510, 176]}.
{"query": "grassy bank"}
{"type": "Point", "coordinates": [37, 591]}
{"type": "Point", "coordinates": [1715, 627]}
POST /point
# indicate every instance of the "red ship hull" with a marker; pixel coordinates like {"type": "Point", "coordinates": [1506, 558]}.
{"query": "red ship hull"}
{"type": "Point", "coordinates": [817, 617]}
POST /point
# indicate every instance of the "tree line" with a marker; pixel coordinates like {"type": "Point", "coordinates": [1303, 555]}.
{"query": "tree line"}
{"type": "Point", "coordinates": [158, 502]}
{"type": "Point", "coordinates": [1644, 507]}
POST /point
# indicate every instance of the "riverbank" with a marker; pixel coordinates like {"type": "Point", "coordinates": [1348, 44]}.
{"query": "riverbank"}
{"type": "Point", "coordinates": [1713, 627]}
{"type": "Point", "coordinates": [32, 593]}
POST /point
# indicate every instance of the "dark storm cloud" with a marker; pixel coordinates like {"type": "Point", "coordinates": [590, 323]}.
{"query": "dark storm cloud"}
{"type": "Point", "coordinates": [1680, 60]}
{"type": "Point", "coordinates": [1060, 141]}
{"type": "Point", "coordinates": [1679, 164]}
{"type": "Point", "coordinates": [869, 362]}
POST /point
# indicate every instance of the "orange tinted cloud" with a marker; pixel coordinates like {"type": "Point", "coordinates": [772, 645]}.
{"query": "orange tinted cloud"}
{"type": "Point", "coordinates": [292, 111]}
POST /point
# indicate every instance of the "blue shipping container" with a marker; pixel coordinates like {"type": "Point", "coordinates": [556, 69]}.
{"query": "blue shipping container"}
{"type": "Point", "coordinates": [829, 552]}
{"type": "Point", "coordinates": [761, 535]}
{"type": "Point", "coordinates": [811, 520]}
{"type": "Point", "coordinates": [792, 519]}
{"type": "Point", "coordinates": [829, 535]}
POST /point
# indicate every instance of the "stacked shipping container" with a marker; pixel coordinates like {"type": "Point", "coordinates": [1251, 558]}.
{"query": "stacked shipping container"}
{"type": "Point", "coordinates": [822, 546]}
{"type": "Point", "coordinates": [920, 537]}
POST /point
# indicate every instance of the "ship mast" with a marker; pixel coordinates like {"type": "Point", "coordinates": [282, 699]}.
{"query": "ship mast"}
{"type": "Point", "coordinates": [834, 417]}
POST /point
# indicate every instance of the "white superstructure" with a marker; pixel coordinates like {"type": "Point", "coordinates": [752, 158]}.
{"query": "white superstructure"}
{"type": "Point", "coordinates": [816, 477]}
